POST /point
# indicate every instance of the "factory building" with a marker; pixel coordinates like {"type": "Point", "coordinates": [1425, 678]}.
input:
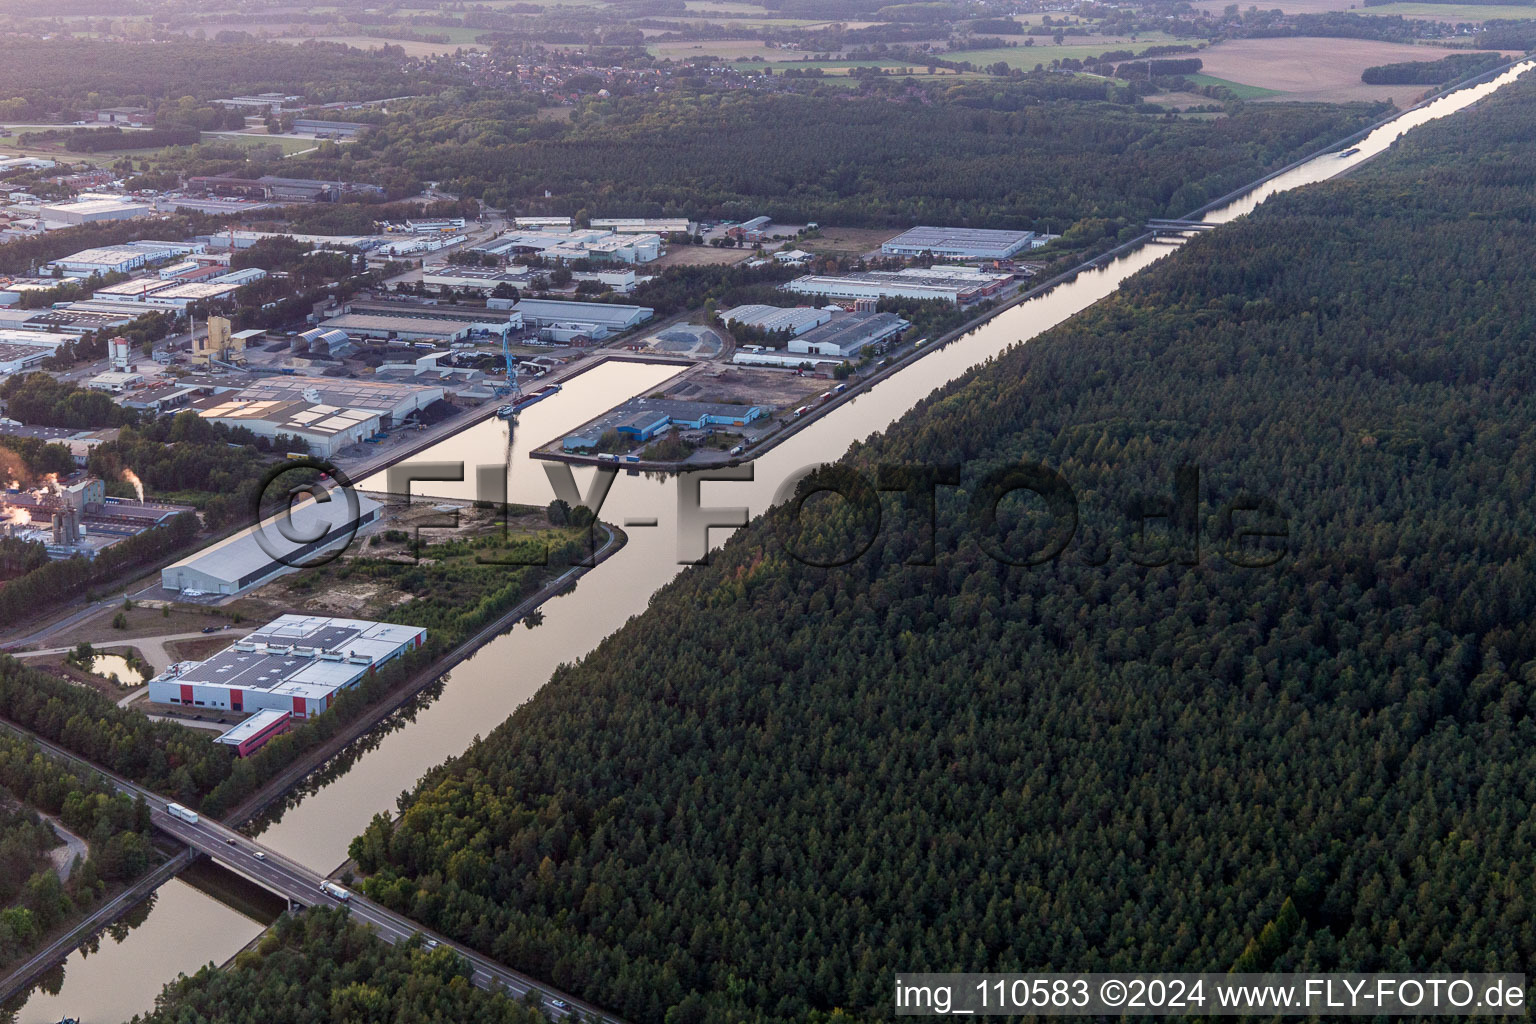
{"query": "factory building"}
{"type": "Point", "coordinates": [543, 223]}
{"type": "Point", "coordinates": [608, 315]}
{"type": "Point", "coordinates": [333, 129]}
{"type": "Point", "coordinates": [412, 321]}
{"type": "Point", "coordinates": [114, 381]}
{"type": "Point", "coordinates": [246, 239]}
{"type": "Point", "coordinates": [478, 279]}
{"type": "Point", "coordinates": [644, 225]}
{"type": "Point", "coordinates": [327, 429]}
{"type": "Point", "coordinates": [136, 117]}
{"type": "Point", "coordinates": [251, 557]}
{"type": "Point", "coordinates": [435, 226]}
{"type": "Point", "coordinates": [266, 102]}
{"type": "Point", "coordinates": [108, 259]}
{"type": "Point", "coordinates": [178, 294]}
{"type": "Point", "coordinates": [754, 230]}
{"type": "Point", "coordinates": [393, 403]}
{"type": "Point", "coordinates": [776, 318]}
{"type": "Point", "coordinates": [946, 284]}
{"type": "Point", "coordinates": [124, 258]}
{"type": "Point", "coordinates": [641, 419]}
{"type": "Point", "coordinates": [74, 516]}
{"type": "Point", "coordinates": [220, 344]}
{"type": "Point", "coordinates": [848, 335]}
{"type": "Point", "coordinates": [13, 289]}
{"type": "Point", "coordinates": [281, 190]}
{"type": "Point", "coordinates": [16, 359]}
{"type": "Point", "coordinates": [253, 733]}
{"type": "Point", "coordinates": [959, 243]}
{"type": "Point", "coordinates": [580, 244]}
{"type": "Point", "coordinates": [25, 350]}
{"type": "Point", "coordinates": [75, 320]}
{"type": "Point", "coordinates": [91, 211]}
{"type": "Point", "coordinates": [294, 664]}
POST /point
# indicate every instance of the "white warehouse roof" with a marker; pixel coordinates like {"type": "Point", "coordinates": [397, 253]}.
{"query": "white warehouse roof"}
{"type": "Point", "coordinates": [308, 656]}
{"type": "Point", "coordinates": [243, 560]}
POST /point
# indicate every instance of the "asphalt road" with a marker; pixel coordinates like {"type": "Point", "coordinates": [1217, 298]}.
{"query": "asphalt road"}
{"type": "Point", "coordinates": [295, 882]}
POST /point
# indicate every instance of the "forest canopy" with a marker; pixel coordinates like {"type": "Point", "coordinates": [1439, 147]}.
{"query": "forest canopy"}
{"type": "Point", "coordinates": [834, 160]}
{"type": "Point", "coordinates": [780, 784]}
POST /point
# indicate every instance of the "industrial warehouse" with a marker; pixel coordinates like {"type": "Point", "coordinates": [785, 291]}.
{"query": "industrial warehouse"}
{"type": "Point", "coordinates": [120, 259]}
{"type": "Point", "coordinates": [595, 244]}
{"type": "Point", "coordinates": [261, 552]}
{"type": "Point", "coordinates": [294, 664]}
{"type": "Point", "coordinates": [959, 243]}
{"type": "Point", "coordinates": [773, 319]}
{"type": "Point", "coordinates": [410, 321]}
{"type": "Point", "coordinates": [328, 413]}
{"type": "Point", "coordinates": [840, 337]}
{"type": "Point", "coordinates": [641, 419]}
{"type": "Point", "coordinates": [955, 285]}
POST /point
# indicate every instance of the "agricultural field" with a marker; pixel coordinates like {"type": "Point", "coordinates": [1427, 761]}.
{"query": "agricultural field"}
{"type": "Point", "coordinates": [1241, 91]}
{"type": "Point", "coordinates": [412, 47]}
{"type": "Point", "coordinates": [1288, 6]}
{"type": "Point", "coordinates": [727, 49]}
{"type": "Point", "coordinates": [1044, 51]}
{"type": "Point", "coordinates": [1321, 70]}
{"type": "Point", "coordinates": [1457, 12]}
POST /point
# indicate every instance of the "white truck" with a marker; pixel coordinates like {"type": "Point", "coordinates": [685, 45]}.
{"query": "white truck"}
{"type": "Point", "coordinates": [335, 891]}
{"type": "Point", "coordinates": [185, 814]}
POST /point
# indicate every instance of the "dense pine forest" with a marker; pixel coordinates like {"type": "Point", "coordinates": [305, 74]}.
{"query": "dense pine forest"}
{"type": "Point", "coordinates": [781, 784]}
{"type": "Point", "coordinates": [836, 160]}
{"type": "Point", "coordinates": [321, 969]}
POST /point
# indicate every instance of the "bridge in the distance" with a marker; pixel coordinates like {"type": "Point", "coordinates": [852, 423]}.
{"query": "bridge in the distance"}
{"type": "Point", "coordinates": [1177, 227]}
{"type": "Point", "coordinates": [301, 886]}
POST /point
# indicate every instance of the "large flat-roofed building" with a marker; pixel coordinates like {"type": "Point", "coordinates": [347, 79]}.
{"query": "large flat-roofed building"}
{"type": "Point", "coordinates": [408, 328]}
{"type": "Point", "coordinates": [543, 223]}
{"type": "Point", "coordinates": [40, 344]}
{"type": "Point", "coordinates": [335, 129]}
{"type": "Point", "coordinates": [479, 279]}
{"type": "Point", "coordinates": [609, 315]}
{"type": "Point", "coordinates": [13, 289]}
{"type": "Point", "coordinates": [327, 429]}
{"type": "Point", "coordinates": [644, 225]}
{"type": "Point", "coordinates": [959, 243]}
{"type": "Point", "coordinates": [106, 259]}
{"type": "Point", "coordinates": [948, 284]}
{"type": "Point", "coordinates": [76, 319]}
{"type": "Point", "coordinates": [91, 211]}
{"type": "Point", "coordinates": [266, 101]}
{"type": "Point", "coordinates": [134, 288]}
{"type": "Point", "coordinates": [411, 321]}
{"type": "Point", "coordinates": [182, 294]}
{"type": "Point", "coordinates": [261, 552]}
{"type": "Point", "coordinates": [580, 244]}
{"type": "Point", "coordinates": [20, 358]}
{"type": "Point", "coordinates": [392, 401]}
{"type": "Point", "coordinates": [848, 335]}
{"type": "Point", "coordinates": [95, 314]}
{"type": "Point", "coordinates": [246, 239]}
{"type": "Point", "coordinates": [796, 320]}
{"type": "Point", "coordinates": [294, 664]}
{"type": "Point", "coordinates": [121, 259]}
{"type": "Point", "coordinates": [281, 190]}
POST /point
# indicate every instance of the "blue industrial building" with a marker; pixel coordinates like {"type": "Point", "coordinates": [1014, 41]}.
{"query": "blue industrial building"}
{"type": "Point", "coordinates": [642, 419]}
